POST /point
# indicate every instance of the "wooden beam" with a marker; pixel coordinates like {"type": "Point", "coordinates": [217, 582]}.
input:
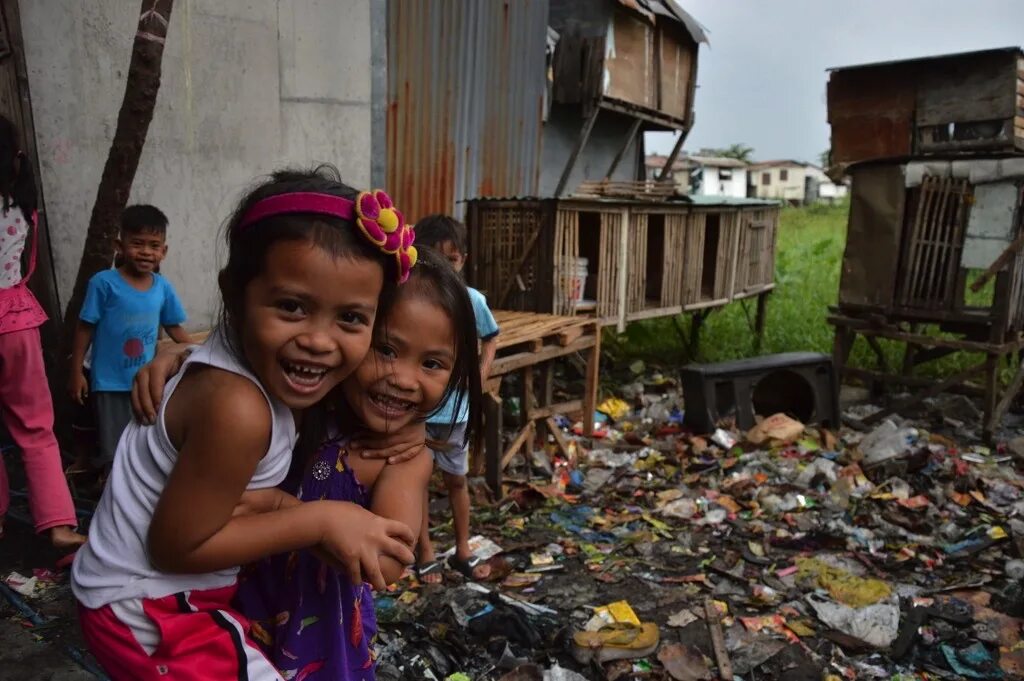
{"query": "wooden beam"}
{"type": "Point", "coordinates": [560, 439]}
{"type": "Point", "coordinates": [672, 156]}
{"type": "Point", "coordinates": [522, 439]}
{"type": "Point", "coordinates": [630, 136]}
{"type": "Point", "coordinates": [552, 409]}
{"type": "Point", "coordinates": [581, 142]}
{"type": "Point", "coordinates": [868, 329]}
{"type": "Point", "coordinates": [920, 397]}
{"type": "Point", "coordinates": [712, 619]}
{"type": "Point", "coordinates": [1011, 392]}
{"type": "Point", "coordinates": [492, 442]}
{"type": "Point", "coordinates": [592, 382]}
{"type": "Point", "coordinates": [912, 381]}
{"type": "Point", "coordinates": [998, 264]}
{"type": "Point", "coordinates": [505, 365]}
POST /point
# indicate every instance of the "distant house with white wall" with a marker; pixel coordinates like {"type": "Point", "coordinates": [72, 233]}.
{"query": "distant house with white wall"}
{"type": "Point", "coordinates": [783, 180]}
{"type": "Point", "coordinates": [703, 175]}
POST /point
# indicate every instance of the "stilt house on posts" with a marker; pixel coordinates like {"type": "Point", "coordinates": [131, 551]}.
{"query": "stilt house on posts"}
{"type": "Point", "coordinates": [933, 261]}
{"type": "Point", "coordinates": [597, 239]}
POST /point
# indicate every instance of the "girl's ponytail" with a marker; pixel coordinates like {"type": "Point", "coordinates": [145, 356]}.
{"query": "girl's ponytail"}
{"type": "Point", "coordinates": [23, 188]}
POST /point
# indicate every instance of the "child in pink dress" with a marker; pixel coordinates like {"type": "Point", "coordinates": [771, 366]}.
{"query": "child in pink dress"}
{"type": "Point", "coordinates": [25, 403]}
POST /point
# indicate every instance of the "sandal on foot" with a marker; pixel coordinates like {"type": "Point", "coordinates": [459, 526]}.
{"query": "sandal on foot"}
{"type": "Point", "coordinates": [466, 566]}
{"type": "Point", "coordinates": [429, 568]}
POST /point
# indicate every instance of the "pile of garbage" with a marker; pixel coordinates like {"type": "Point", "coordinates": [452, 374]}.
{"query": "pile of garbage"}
{"type": "Point", "coordinates": [783, 552]}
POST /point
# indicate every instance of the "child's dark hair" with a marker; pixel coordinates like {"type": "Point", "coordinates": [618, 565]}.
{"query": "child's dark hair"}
{"type": "Point", "coordinates": [143, 219]}
{"type": "Point", "coordinates": [17, 181]}
{"type": "Point", "coordinates": [434, 230]}
{"type": "Point", "coordinates": [248, 246]}
{"type": "Point", "coordinates": [434, 279]}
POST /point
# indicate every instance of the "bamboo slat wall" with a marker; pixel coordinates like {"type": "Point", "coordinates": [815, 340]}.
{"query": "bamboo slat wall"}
{"type": "Point", "coordinates": [755, 262]}
{"type": "Point", "coordinates": [932, 252]}
{"type": "Point", "coordinates": [675, 260]}
{"type": "Point", "coordinates": [608, 270]}
{"type": "Point", "coordinates": [703, 256]}
{"type": "Point", "coordinates": [693, 257]}
{"type": "Point", "coordinates": [636, 270]}
{"type": "Point", "coordinates": [567, 245]}
{"type": "Point", "coordinates": [728, 241]}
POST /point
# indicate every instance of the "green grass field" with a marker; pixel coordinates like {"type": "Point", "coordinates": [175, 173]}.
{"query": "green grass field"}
{"type": "Point", "coordinates": [809, 257]}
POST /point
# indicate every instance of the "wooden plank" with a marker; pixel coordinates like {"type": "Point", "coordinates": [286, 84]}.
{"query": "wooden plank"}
{"type": "Point", "coordinates": [712, 618]}
{"type": "Point", "coordinates": [654, 313]}
{"type": "Point", "coordinates": [492, 442]}
{"type": "Point", "coordinates": [566, 407]}
{"type": "Point", "coordinates": [866, 329]}
{"type": "Point", "coordinates": [504, 365]}
{"type": "Point", "coordinates": [919, 397]}
{"type": "Point", "coordinates": [623, 266]}
{"type": "Point", "coordinates": [581, 142]}
{"type": "Point", "coordinates": [521, 440]}
{"type": "Point", "coordinates": [559, 437]}
{"type": "Point", "coordinates": [591, 383]}
{"type": "Point", "coordinates": [869, 375]}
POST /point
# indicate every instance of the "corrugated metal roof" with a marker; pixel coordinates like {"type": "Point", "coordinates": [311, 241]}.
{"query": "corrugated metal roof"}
{"type": "Point", "coordinates": [465, 96]}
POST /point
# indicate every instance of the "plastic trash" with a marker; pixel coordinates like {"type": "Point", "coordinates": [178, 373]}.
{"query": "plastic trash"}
{"type": "Point", "coordinates": [887, 441]}
{"type": "Point", "coordinates": [875, 625]}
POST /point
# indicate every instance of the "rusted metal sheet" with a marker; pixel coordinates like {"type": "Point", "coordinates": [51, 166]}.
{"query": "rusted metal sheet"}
{"type": "Point", "coordinates": [466, 83]}
{"type": "Point", "coordinates": [875, 231]}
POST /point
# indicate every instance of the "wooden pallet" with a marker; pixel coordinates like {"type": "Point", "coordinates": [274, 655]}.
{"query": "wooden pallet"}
{"type": "Point", "coordinates": [536, 330]}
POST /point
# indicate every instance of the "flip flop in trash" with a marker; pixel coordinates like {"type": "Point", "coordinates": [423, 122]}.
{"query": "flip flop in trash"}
{"type": "Point", "coordinates": [615, 642]}
{"type": "Point", "coordinates": [466, 566]}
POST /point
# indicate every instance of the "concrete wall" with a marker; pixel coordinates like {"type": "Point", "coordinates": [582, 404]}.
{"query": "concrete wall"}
{"type": "Point", "coordinates": [248, 86]}
{"type": "Point", "coordinates": [561, 131]}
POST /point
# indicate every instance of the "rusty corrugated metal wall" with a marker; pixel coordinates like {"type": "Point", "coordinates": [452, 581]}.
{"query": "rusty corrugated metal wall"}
{"type": "Point", "coordinates": [466, 82]}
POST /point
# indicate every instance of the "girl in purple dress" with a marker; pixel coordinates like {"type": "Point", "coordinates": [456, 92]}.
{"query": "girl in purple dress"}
{"type": "Point", "coordinates": [312, 622]}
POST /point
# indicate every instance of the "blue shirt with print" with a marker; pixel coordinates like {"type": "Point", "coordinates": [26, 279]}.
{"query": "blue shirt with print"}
{"type": "Point", "coordinates": [127, 323]}
{"type": "Point", "coordinates": [486, 328]}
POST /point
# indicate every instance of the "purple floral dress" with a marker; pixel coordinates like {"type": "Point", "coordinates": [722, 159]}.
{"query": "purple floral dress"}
{"type": "Point", "coordinates": [310, 620]}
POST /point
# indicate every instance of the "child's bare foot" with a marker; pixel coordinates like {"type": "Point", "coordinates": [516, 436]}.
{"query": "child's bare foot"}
{"type": "Point", "coordinates": [64, 538]}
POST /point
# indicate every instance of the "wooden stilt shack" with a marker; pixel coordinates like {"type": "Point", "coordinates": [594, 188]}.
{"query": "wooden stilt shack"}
{"type": "Point", "coordinates": [933, 259]}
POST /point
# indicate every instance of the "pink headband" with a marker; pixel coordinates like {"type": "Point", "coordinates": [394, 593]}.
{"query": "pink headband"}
{"type": "Point", "coordinates": [375, 213]}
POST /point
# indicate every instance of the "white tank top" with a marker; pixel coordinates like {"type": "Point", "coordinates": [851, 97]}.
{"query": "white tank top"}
{"type": "Point", "coordinates": [114, 564]}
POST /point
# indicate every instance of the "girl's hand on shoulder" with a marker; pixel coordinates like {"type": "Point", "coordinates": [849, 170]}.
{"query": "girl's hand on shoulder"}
{"type": "Point", "coordinates": [357, 539]}
{"type": "Point", "coordinates": [263, 501]}
{"type": "Point", "coordinates": [149, 383]}
{"type": "Point", "coordinates": [396, 447]}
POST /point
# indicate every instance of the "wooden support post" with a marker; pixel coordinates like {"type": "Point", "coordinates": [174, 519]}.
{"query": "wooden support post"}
{"type": "Point", "coordinates": [759, 320]}
{"type": "Point", "coordinates": [672, 156]}
{"type": "Point", "coordinates": [492, 442]}
{"type": "Point", "coordinates": [591, 384]}
{"type": "Point", "coordinates": [1008, 396]}
{"type": "Point", "coordinates": [696, 322]}
{"type": "Point", "coordinates": [633, 130]}
{"type": "Point", "coordinates": [623, 281]}
{"type": "Point", "coordinates": [991, 396]}
{"type": "Point", "coordinates": [581, 142]}
{"type": "Point", "coordinates": [544, 399]}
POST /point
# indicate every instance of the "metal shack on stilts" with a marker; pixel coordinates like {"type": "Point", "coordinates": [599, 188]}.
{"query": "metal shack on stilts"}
{"type": "Point", "coordinates": [933, 259]}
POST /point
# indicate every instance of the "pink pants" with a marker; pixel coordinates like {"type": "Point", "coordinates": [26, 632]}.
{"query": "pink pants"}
{"type": "Point", "coordinates": [27, 411]}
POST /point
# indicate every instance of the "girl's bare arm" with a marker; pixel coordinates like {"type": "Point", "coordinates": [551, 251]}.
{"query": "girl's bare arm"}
{"type": "Point", "coordinates": [220, 423]}
{"type": "Point", "coordinates": [398, 495]}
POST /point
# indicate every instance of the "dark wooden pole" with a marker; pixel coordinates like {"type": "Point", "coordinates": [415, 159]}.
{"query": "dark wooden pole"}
{"type": "Point", "coordinates": [133, 120]}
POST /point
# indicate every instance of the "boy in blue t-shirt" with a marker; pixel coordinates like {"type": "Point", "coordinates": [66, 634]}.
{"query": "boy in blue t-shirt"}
{"type": "Point", "coordinates": [448, 236]}
{"type": "Point", "coordinates": [122, 314]}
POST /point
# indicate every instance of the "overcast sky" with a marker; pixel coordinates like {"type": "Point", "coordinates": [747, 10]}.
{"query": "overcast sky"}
{"type": "Point", "coordinates": [762, 80]}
